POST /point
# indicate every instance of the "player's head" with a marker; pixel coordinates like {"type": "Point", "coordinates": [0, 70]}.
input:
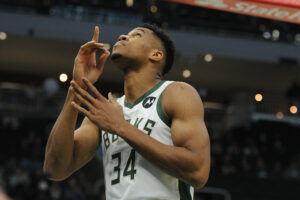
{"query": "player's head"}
{"type": "Point", "coordinates": [146, 43]}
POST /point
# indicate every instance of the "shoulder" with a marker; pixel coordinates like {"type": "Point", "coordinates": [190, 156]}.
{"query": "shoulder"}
{"type": "Point", "coordinates": [180, 87]}
{"type": "Point", "coordinates": [180, 98]}
{"type": "Point", "coordinates": [180, 91]}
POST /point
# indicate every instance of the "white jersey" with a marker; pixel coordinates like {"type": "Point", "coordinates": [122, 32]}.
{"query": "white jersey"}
{"type": "Point", "coordinates": [128, 175]}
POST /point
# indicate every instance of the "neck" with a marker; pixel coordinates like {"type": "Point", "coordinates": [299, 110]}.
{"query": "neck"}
{"type": "Point", "coordinates": [139, 82]}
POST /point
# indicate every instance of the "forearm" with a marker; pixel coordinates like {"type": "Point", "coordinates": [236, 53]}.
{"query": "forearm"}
{"type": "Point", "coordinates": [176, 161]}
{"type": "Point", "coordinates": [59, 149]}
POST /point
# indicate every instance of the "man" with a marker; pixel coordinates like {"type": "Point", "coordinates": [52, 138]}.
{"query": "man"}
{"type": "Point", "coordinates": [154, 139]}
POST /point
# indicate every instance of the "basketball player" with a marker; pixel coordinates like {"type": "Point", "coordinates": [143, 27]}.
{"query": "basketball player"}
{"type": "Point", "coordinates": [155, 143]}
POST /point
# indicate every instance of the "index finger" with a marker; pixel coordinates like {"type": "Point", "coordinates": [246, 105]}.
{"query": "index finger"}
{"type": "Point", "coordinates": [96, 34]}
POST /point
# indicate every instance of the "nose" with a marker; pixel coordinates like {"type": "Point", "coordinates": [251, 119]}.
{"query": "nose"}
{"type": "Point", "coordinates": [123, 37]}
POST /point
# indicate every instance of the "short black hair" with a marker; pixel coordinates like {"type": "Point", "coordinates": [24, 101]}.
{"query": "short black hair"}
{"type": "Point", "coordinates": [167, 43]}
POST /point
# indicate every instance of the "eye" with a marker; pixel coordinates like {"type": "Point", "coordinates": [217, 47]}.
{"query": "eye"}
{"type": "Point", "coordinates": [138, 34]}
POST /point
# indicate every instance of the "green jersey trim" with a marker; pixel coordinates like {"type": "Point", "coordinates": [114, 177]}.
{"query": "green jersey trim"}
{"type": "Point", "coordinates": [161, 114]}
{"type": "Point", "coordinates": [184, 191]}
{"type": "Point", "coordinates": [131, 105]}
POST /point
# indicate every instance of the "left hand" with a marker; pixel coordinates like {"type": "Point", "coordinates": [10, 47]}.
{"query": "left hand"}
{"type": "Point", "coordinates": [107, 114]}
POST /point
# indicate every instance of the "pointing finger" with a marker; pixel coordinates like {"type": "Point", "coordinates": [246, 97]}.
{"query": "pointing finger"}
{"type": "Point", "coordinates": [96, 34]}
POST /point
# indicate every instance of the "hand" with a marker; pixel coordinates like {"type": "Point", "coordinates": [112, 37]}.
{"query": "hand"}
{"type": "Point", "coordinates": [107, 114]}
{"type": "Point", "coordinates": [85, 64]}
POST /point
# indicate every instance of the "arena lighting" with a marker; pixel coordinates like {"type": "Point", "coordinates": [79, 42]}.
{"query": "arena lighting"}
{"type": "Point", "coordinates": [275, 34]}
{"type": "Point", "coordinates": [279, 115]}
{"type": "Point", "coordinates": [267, 35]}
{"type": "Point", "coordinates": [129, 3]}
{"type": "Point", "coordinates": [153, 9]}
{"type": "Point", "coordinates": [186, 73]}
{"type": "Point", "coordinates": [63, 77]}
{"type": "Point", "coordinates": [3, 36]}
{"type": "Point", "coordinates": [293, 109]}
{"type": "Point", "coordinates": [258, 97]}
{"type": "Point", "coordinates": [208, 58]}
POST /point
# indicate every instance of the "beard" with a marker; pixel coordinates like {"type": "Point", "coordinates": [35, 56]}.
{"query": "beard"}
{"type": "Point", "coordinates": [116, 56]}
{"type": "Point", "coordinates": [124, 63]}
{"type": "Point", "coordinates": [120, 61]}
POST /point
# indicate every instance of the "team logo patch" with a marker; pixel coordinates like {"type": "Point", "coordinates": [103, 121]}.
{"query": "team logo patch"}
{"type": "Point", "coordinates": [148, 102]}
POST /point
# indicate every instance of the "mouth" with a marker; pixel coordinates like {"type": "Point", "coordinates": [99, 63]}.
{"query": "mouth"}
{"type": "Point", "coordinates": [119, 43]}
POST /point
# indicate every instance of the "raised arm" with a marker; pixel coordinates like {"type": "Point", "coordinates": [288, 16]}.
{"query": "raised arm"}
{"type": "Point", "coordinates": [67, 150]}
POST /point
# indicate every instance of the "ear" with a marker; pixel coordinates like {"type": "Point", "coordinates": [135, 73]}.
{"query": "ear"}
{"type": "Point", "coordinates": [156, 55]}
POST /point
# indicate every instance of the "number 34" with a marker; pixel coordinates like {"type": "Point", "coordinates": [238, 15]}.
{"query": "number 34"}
{"type": "Point", "coordinates": [129, 168]}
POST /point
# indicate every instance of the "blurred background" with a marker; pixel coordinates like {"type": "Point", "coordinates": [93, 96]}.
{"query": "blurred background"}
{"type": "Point", "coordinates": [246, 70]}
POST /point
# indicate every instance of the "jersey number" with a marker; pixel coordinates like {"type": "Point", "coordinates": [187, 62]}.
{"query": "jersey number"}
{"type": "Point", "coordinates": [129, 168]}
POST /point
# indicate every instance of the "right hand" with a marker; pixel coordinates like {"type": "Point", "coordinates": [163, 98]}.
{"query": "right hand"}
{"type": "Point", "coordinates": [85, 64]}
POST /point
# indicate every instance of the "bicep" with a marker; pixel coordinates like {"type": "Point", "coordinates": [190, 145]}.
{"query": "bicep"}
{"type": "Point", "coordinates": [191, 134]}
{"type": "Point", "coordinates": [188, 128]}
{"type": "Point", "coordinates": [86, 144]}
